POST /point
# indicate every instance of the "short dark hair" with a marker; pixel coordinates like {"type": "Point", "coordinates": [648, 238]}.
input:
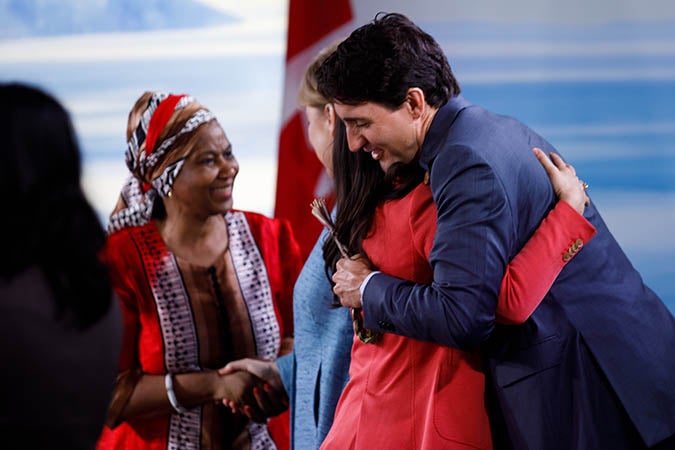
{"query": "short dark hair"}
{"type": "Point", "coordinates": [49, 222]}
{"type": "Point", "coordinates": [381, 60]}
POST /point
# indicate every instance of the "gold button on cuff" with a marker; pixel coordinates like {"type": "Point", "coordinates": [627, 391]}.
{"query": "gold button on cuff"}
{"type": "Point", "coordinates": [576, 245]}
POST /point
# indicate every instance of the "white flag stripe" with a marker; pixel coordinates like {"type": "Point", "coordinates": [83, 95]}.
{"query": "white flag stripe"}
{"type": "Point", "coordinates": [295, 69]}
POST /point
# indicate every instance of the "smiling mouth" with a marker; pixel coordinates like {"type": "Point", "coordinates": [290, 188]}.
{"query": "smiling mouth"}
{"type": "Point", "coordinates": [223, 189]}
{"type": "Point", "coordinates": [375, 152]}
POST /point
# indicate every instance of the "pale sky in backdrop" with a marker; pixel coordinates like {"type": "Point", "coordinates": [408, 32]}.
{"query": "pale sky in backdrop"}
{"type": "Point", "coordinates": [497, 48]}
{"type": "Point", "coordinates": [261, 30]}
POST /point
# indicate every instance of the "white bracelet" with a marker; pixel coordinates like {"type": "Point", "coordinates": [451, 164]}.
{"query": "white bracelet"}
{"type": "Point", "coordinates": [168, 383]}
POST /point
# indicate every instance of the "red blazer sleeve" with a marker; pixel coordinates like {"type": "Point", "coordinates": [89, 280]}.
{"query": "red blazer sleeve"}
{"type": "Point", "coordinates": [531, 273]}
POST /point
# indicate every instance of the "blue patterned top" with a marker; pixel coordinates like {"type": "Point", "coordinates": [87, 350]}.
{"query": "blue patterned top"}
{"type": "Point", "coordinates": [317, 370]}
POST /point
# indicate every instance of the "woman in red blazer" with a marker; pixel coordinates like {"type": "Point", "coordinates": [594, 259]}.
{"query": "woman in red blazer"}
{"type": "Point", "coordinates": [408, 394]}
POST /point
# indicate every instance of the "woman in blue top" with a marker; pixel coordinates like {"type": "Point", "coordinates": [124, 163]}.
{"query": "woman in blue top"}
{"type": "Point", "coordinates": [316, 371]}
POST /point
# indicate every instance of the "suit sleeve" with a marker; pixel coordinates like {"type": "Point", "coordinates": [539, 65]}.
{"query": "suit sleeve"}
{"type": "Point", "coordinates": [474, 235]}
{"type": "Point", "coordinates": [531, 273]}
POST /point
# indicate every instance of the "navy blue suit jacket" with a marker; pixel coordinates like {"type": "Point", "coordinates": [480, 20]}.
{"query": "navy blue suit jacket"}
{"type": "Point", "coordinates": [491, 194]}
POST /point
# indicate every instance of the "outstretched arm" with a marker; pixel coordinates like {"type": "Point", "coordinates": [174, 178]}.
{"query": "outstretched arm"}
{"type": "Point", "coordinates": [140, 395]}
{"type": "Point", "coordinates": [531, 273]}
{"type": "Point", "coordinates": [522, 288]}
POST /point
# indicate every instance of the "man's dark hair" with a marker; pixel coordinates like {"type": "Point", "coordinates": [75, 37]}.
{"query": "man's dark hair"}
{"type": "Point", "coordinates": [381, 60]}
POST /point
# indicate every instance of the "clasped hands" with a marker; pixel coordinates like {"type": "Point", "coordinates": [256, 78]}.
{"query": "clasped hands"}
{"type": "Point", "coordinates": [348, 277]}
{"type": "Point", "coordinates": [253, 388]}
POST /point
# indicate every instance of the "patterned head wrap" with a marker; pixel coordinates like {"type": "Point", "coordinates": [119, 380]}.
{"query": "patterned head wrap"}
{"type": "Point", "coordinates": [160, 126]}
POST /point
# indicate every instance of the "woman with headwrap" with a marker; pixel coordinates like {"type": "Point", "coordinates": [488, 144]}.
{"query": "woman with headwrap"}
{"type": "Point", "coordinates": [199, 284]}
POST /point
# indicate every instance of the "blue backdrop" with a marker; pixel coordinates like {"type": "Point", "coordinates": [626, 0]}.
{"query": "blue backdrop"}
{"type": "Point", "coordinates": [596, 79]}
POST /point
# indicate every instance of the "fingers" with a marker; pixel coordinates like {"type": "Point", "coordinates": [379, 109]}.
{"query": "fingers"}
{"type": "Point", "coordinates": [245, 393]}
{"type": "Point", "coordinates": [348, 277]}
{"type": "Point", "coordinates": [550, 168]}
{"type": "Point", "coordinates": [232, 405]}
{"type": "Point", "coordinates": [270, 401]}
{"type": "Point", "coordinates": [356, 262]}
{"type": "Point", "coordinates": [234, 366]}
{"type": "Point", "coordinates": [254, 413]}
{"type": "Point", "coordinates": [265, 370]}
{"type": "Point", "coordinates": [555, 166]}
{"type": "Point", "coordinates": [564, 180]}
{"type": "Point", "coordinates": [265, 402]}
{"type": "Point", "coordinates": [248, 404]}
{"type": "Point", "coordinates": [261, 398]}
{"type": "Point", "coordinates": [257, 367]}
{"type": "Point", "coordinates": [559, 162]}
{"type": "Point", "coordinates": [344, 263]}
{"type": "Point", "coordinates": [555, 161]}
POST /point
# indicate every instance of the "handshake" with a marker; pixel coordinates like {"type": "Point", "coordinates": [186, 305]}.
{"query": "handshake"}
{"type": "Point", "coordinates": [253, 387]}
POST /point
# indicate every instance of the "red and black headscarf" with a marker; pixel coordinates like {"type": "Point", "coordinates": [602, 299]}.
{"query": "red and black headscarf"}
{"type": "Point", "coordinates": [158, 131]}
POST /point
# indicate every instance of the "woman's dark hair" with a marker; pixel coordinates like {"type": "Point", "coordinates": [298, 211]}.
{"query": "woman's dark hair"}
{"type": "Point", "coordinates": [381, 60]}
{"type": "Point", "coordinates": [353, 174]}
{"type": "Point", "coordinates": [48, 221]}
{"type": "Point", "coordinates": [360, 185]}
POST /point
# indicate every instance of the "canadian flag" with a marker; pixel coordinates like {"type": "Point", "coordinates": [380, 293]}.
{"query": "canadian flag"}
{"type": "Point", "coordinates": [312, 25]}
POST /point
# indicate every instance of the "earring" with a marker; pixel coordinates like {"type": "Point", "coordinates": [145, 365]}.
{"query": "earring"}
{"type": "Point", "coordinates": [169, 194]}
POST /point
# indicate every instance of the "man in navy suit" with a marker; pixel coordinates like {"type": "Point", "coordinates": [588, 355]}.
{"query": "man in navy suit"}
{"type": "Point", "coordinates": [594, 366]}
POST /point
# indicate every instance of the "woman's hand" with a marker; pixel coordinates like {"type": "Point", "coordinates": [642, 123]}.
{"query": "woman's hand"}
{"type": "Point", "coordinates": [272, 399]}
{"type": "Point", "coordinates": [238, 390]}
{"type": "Point", "coordinates": [261, 368]}
{"type": "Point", "coordinates": [566, 185]}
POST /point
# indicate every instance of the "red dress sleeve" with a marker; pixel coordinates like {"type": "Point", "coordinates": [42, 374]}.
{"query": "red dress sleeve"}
{"type": "Point", "coordinates": [283, 260]}
{"type": "Point", "coordinates": [531, 273]}
{"type": "Point", "coordinates": [117, 255]}
{"type": "Point", "coordinates": [291, 265]}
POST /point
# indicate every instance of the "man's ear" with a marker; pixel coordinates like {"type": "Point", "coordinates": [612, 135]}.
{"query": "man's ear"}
{"type": "Point", "coordinates": [416, 102]}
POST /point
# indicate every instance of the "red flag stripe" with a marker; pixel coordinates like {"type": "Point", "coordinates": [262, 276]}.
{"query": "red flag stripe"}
{"type": "Point", "coordinates": [310, 20]}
